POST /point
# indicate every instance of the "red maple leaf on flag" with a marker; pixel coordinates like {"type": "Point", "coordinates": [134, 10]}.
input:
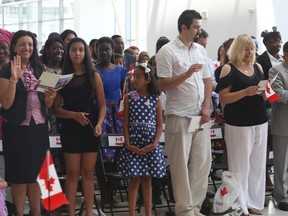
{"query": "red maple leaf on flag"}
{"type": "Point", "coordinates": [223, 191]}
{"type": "Point", "coordinates": [268, 89]}
{"type": "Point", "coordinates": [131, 71]}
{"type": "Point", "coordinates": [49, 184]}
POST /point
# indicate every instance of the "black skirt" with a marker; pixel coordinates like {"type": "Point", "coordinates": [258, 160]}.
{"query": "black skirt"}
{"type": "Point", "coordinates": [24, 150]}
{"type": "Point", "coordinates": [76, 138]}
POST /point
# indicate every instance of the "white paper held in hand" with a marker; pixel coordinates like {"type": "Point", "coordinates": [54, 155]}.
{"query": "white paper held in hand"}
{"type": "Point", "coordinates": [195, 124]}
{"type": "Point", "coordinates": [51, 80]}
{"type": "Point", "coordinates": [262, 85]}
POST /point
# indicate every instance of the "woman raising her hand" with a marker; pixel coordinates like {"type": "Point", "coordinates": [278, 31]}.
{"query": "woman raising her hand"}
{"type": "Point", "coordinates": [25, 128]}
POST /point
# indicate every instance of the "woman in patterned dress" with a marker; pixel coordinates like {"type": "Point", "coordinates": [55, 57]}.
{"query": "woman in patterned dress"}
{"type": "Point", "coordinates": [142, 158]}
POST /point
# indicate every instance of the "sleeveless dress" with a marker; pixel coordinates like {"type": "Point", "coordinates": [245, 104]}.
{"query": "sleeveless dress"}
{"type": "Point", "coordinates": [78, 95]}
{"type": "Point", "coordinates": [142, 129]}
{"type": "Point", "coordinates": [113, 82]}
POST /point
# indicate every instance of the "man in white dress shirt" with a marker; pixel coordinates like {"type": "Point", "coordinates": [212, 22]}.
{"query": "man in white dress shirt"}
{"type": "Point", "coordinates": [182, 68]}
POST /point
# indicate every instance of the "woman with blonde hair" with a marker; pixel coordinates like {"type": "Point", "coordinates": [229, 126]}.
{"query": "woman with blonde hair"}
{"type": "Point", "coordinates": [246, 122]}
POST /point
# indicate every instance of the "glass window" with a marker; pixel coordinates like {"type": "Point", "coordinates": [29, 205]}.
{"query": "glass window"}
{"type": "Point", "coordinates": [68, 24]}
{"type": "Point", "coordinates": [32, 27]}
{"type": "Point", "coordinates": [29, 12]}
{"type": "Point", "coordinates": [1, 16]}
{"type": "Point", "coordinates": [50, 10]}
{"type": "Point", "coordinates": [47, 28]}
{"type": "Point", "coordinates": [11, 14]}
{"type": "Point", "coordinates": [11, 27]}
{"type": "Point", "coordinates": [68, 9]}
{"type": "Point", "coordinates": [41, 17]}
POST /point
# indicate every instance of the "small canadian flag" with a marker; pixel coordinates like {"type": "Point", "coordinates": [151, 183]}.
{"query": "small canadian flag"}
{"type": "Point", "coordinates": [269, 92]}
{"type": "Point", "coordinates": [121, 107]}
{"type": "Point", "coordinates": [131, 71]}
{"type": "Point", "coordinates": [51, 192]}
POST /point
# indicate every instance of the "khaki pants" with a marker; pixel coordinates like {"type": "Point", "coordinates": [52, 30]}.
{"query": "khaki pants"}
{"type": "Point", "coordinates": [189, 156]}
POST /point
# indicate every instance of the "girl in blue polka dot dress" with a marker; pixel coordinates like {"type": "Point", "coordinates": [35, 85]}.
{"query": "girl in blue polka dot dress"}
{"type": "Point", "coordinates": [142, 158]}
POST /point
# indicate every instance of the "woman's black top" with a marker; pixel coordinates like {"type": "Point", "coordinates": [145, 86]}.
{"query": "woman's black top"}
{"type": "Point", "coordinates": [249, 110]}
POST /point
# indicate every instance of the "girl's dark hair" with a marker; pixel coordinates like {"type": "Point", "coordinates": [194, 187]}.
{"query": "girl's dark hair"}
{"type": "Point", "coordinates": [152, 87]}
{"type": "Point", "coordinates": [66, 32]}
{"type": "Point", "coordinates": [53, 34]}
{"type": "Point", "coordinates": [218, 52]}
{"type": "Point", "coordinates": [226, 45]}
{"type": "Point", "coordinates": [161, 42]}
{"type": "Point", "coordinates": [87, 61]}
{"type": "Point", "coordinates": [34, 59]}
{"type": "Point", "coordinates": [150, 61]}
{"type": "Point", "coordinates": [285, 47]}
{"type": "Point", "coordinates": [47, 45]}
{"type": "Point", "coordinates": [117, 55]}
{"type": "Point", "coordinates": [105, 40]}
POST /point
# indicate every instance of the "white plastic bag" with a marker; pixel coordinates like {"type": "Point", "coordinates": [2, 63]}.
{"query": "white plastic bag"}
{"type": "Point", "coordinates": [227, 193]}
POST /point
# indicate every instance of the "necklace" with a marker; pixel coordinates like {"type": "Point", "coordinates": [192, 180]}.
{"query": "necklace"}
{"type": "Point", "coordinates": [245, 67]}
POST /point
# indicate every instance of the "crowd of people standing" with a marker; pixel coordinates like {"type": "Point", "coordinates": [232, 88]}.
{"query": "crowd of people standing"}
{"type": "Point", "coordinates": [182, 75]}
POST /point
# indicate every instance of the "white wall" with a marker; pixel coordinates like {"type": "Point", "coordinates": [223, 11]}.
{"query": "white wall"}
{"type": "Point", "coordinates": [225, 19]}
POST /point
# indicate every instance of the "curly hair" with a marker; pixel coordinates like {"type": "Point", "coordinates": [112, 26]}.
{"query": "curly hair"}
{"type": "Point", "coordinates": [274, 35]}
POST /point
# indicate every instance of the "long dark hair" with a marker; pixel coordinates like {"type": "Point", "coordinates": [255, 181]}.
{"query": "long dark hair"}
{"type": "Point", "coordinates": [161, 42]}
{"type": "Point", "coordinates": [34, 59]}
{"type": "Point", "coordinates": [66, 32]}
{"type": "Point", "coordinates": [152, 87]}
{"type": "Point", "coordinates": [87, 61]}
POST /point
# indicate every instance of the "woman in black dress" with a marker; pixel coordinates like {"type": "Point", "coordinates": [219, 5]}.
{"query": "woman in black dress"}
{"type": "Point", "coordinates": [25, 129]}
{"type": "Point", "coordinates": [82, 114]}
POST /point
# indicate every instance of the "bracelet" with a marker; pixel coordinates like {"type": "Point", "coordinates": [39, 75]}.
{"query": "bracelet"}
{"type": "Point", "coordinates": [13, 81]}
